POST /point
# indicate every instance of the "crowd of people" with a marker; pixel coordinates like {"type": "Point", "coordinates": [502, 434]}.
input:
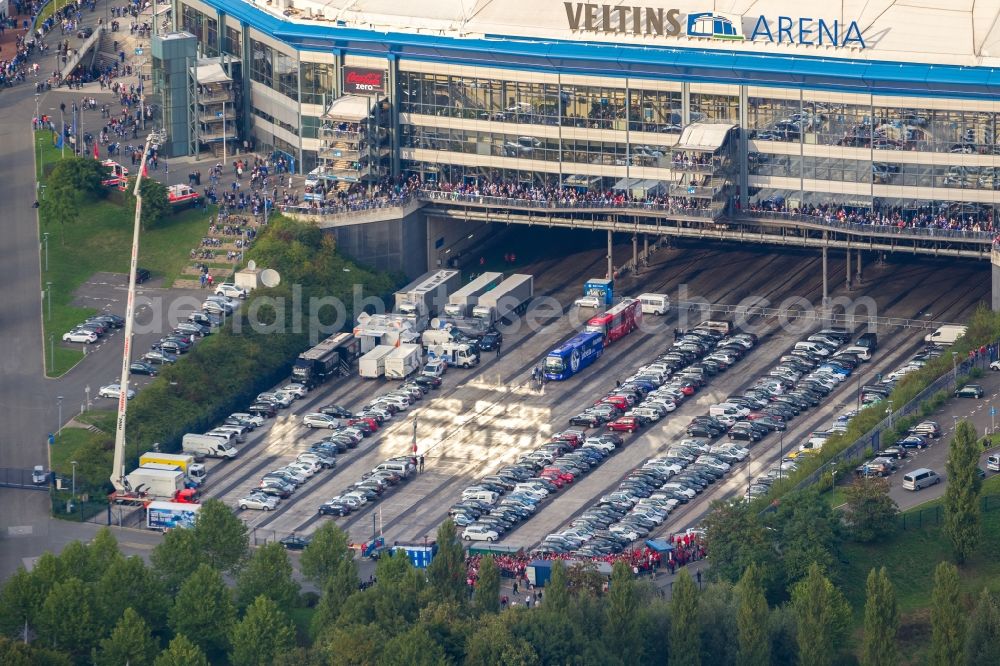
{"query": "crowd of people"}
{"type": "Point", "coordinates": [14, 66]}
{"type": "Point", "coordinates": [687, 548]}
{"type": "Point", "coordinates": [890, 217]}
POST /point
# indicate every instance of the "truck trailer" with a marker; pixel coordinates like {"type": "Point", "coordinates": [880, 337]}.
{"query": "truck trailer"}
{"type": "Point", "coordinates": [183, 461]}
{"type": "Point", "coordinates": [372, 364]}
{"type": "Point", "coordinates": [208, 446]}
{"type": "Point", "coordinates": [421, 299]}
{"type": "Point", "coordinates": [325, 360]}
{"type": "Point", "coordinates": [510, 297]}
{"type": "Point", "coordinates": [403, 361]}
{"type": "Point", "coordinates": [169, 515]}
{"type": "Point", "coordinates": [461, 302]}
{"type": "Point", "coordinates": [156, 483]}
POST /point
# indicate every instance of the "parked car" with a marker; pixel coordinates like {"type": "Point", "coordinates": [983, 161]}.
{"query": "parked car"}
{"type": "Point", "coordinates": [80, 335]}
{"type": "Point", "coordinates": [295, 542]}
{"type": "Point", "coordinates": [258, 500]}
{"type": "Point", "coordinates": [114, 391]}
{"type": "Point", "coordinates": [970, 391]}
{"type": "Point", "coordinates": [624, 424]}
{"type": "Point", "coordinates": [142, 368]}
{"type": "Point", "coordinates": [230, 290]}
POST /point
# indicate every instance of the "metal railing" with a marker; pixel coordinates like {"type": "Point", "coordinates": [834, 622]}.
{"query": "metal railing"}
{"type": "Point", "coordinates": [585, 206]}
{"type": "Point", "coordinates": [351, 207]}
{"type": "Point", "coordinates": [871, 229]}
{"type": "Point", "coordinates": [78, 56]}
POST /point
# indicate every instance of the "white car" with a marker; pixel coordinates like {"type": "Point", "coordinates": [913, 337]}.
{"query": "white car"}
{"type": "Point", "coordinates": [113, 391]}
{"type": "Point", "coordinates": [306, 467]}
{"type": "Point", "coordinates": [230, 290]}
{"type": "Point", "coordinates": [213, 307]}
{"type": "Point", "coordinates": [279, 398]}
{"type": "Point", "coordinates": [258, 501]}
{"type": "Point", "coordinates": [588, 302]}
{"type": "Point", "coordinates": [253, 419]}
{"type": "Point", "coordinates": [86, 337]}
{"type": "Point", "coordinates": [435, 369]}
{"type": "Point", "coordinates": [317, 420]}
{"type": "Point", "coordinates": [480, 533]}
{"type": "Point", "coordinates": [399, 402]}
{"type": "Point", "coordinates": [995, 365]}
{"type": "Point", "coordinates": [295, 390]}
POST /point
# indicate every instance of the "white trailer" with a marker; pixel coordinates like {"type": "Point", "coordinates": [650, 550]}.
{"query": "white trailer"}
{"type": "Point", "coordinates": [420, 299]}
{"type": "Point", "coordinates": [156, 483]}
{"type": "Point", "coordinates": [461, 302]}
{"type": "Point", "coordinates": [403, 361]}
{"type": "Point", "coordinates": [372, 364]}
{"type": "Point", "coordinates": [509, 297]}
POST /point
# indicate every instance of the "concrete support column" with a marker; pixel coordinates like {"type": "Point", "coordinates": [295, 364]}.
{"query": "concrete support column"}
{"type": "Point", "coordinates": [635, 253]}
{"type": "Point", "coordinates": [857, 276]}
{"type": "Point", "coordinates": [611, 265]}
{"type": "Point", "coordinates": [645, 246]}
{"type": "Point", "coordinates": [826, 291]}
{"type": "Point", "coordinates": [995, 260]}
{"type": "Point", "coordinates": [848, 269]}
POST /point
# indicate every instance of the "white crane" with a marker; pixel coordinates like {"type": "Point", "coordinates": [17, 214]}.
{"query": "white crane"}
{"type": "Point", "coordinates": [118, 469]}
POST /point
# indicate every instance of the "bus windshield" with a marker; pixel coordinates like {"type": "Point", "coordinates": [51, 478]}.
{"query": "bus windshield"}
{"type": "Point", "coordinates": [595, 328]}
{"type": "Point", "coordinates": [554, 364]}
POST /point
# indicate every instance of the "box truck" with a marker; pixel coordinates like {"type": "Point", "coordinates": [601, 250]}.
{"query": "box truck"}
{"type": "Point", "coordinates": [461, 302]}
{"type": "Point", "coordinates": [156, 483]}
{"type": "Point", "coordinates": [168, 515]}
{"type": "Point", "coordinates": [209, 446]}
{"type": "Point", "coordinates": [384, 329]}
{"type": "Point", "coordinates": [183, 461]}
{"type": "Point", "coordinates": [372, 364]}
{"type": "Point", "coordinates": [403, 361]}
{"type": "Point", "coordinates": [508, 298]}
{"type": "Point", "coordinates": [459, 354]}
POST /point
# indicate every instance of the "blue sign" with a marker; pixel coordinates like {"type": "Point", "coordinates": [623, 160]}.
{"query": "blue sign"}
{"type": "Point", "coordinates": [993, 411]}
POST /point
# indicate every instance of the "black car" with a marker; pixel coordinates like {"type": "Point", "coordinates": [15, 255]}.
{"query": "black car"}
{"type": "Point", "coordinates": [265, 409]}
{"type": "Point", "coordinates": [141, 275]}
{"type": "Point", "coordinates": [142, 368]}
{"type": "Point", "coordinates": [295, 542]}
{"type": "Point", "coordinates": [424, 380]}
{"type": "Point", "coordinates": [336, 410]}
{"type": "Point", "coordinates": [491, 341]}
{"type": "Point", "coordinates": [275, 491]}
{"type": "Point", "coordinates": [586, 420]}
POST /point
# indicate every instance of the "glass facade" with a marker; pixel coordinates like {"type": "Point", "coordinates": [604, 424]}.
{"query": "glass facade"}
{"type": "Point", "coordinates": [234, 42]}
{"type": "Point", "coordinates": [205, 28]}
{"type": "Point", "coordinates": [318, 82]}
{"type": "Point", "coordinates": [274, 69]}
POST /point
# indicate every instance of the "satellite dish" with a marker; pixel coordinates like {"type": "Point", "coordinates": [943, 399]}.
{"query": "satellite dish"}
{"type": "Point", "coordinates": [435, 323]}
{"type": "Point", "coordinates": [363, 318]}
{"type": "Point", "coordinates": [251, 265]}
{"type": "Point", "coordinates": [270, 277]}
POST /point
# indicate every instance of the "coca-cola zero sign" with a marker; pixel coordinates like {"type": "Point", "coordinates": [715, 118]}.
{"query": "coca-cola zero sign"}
{"type": "Point", "coordinates": [364, 81]}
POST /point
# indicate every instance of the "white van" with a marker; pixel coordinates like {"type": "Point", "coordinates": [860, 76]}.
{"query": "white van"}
{"type": "Point", "coordinates": [946, 335]}
{"type": "Point", "coordinates": [993, 463]}
{"type": "Point", "coordinates": [657, 304]}
{"type": "Point", "coordinates": [400, 468]}
{"type": "Point", "coordinates": [813, 347]}
{"type": "Point", "coordinates": [920, 478]}
{"type": "Point", "coordinates": [487, 496]}
{"type": "Point", "coordinates": [727, 409]}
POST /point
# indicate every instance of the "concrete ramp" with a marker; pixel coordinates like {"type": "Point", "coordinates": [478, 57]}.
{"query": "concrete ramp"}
{"type": "Point", "coordinates": [346, 218]}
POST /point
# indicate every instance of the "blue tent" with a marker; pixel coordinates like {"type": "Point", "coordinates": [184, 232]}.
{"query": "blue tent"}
{"type": "Point", "coordinates": [661, 546]}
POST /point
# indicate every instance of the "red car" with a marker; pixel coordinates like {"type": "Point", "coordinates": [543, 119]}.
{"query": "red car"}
{"type": "Point", "coordinates": [372, 423]}
{"type": "Point", "coordinates": [572, 437]}
{"type": "Point", "coordinates": [556, 481]}
{"type": "Point", "coordinates": [555, 472]}
{"type": "Point", "coordinates": [686, 389]}
{"type": "Point", "coordinates": [624, 424]}
{"type": "Point", "coordinates": [617, 400]}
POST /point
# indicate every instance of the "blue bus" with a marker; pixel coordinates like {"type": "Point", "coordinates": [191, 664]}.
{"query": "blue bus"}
{"type": "Point", "coordinates": [573, 356]}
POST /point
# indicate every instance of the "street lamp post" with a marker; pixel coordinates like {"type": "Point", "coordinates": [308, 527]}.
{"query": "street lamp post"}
{"type": "Point", "coordinates": [954, 366]}
{"type": "Point", "coordinates": [890, 414]}
{"type": "Point", "coordinates": [48, 297]}
{"type": "Point", "coordinates": [52, 351]}
{"type": "Point", "coordinates": [781, 450]}
{"type": "Point", "coordinates": [73, 463]}
{"type": "Point", "coordinates": [45, 239]}
{"type": "Point", "coordinates": [62, 130]}
{"type": "Point", "coordinates": [59, 400]}
{"type": "Point", "coordinates": [86, 392]}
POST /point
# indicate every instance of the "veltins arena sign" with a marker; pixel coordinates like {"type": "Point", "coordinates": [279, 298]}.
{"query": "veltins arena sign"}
{"type": "Point", "coordinates": [656, 21]}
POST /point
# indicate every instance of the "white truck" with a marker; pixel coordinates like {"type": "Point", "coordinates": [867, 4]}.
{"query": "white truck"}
{"type": "Point", "coordinates": [508, 298]}
{"type": "Point", "coordinates": [459, 354]}
{"type": "Point", "coordinates": [210, 446]}
{"type": "Point", "coordinates": [461, 302]}
{"type": "Point", "coordinates": [440, 336]}
{"type": "Point", "coordinates": [403, 361]}
{"type": "Point", "coordinates": [420, 300]}
{"type": "Point", "coordinates": [156, 483]}
{"type": "Point", "coordinates": [169, 515]}
{"type": "Point", "coordinates": [182, 461]}
{"type": "Point", "coordinates": [372, 364]}
{"type": "Point", "coordinates": [384, 329]}
{"type": "Point", "coordinates": [946, 335]}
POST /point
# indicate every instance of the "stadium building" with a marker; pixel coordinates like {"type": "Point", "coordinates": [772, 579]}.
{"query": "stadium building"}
{"type": "Point", "coordinates": [878, 105]}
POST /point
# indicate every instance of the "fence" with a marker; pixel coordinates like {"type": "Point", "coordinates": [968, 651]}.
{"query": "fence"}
{"type": "Point", "coordinates": [874, 229]}
{"type": "Point", "coordinates": [934, 515]}
{"type": "Point", "coordinates": [872, 438]}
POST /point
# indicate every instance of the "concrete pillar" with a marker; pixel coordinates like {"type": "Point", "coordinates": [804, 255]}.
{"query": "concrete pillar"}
{"type": "Point", "coordinates": [635, 253]}
{"type": "Point", "coordinates": [645, 247]}
{"type": "Point", "coordinates": [848, 269]}
{"type": "Point", "coordinates": [857, 276]}
{"type": "Point", "coordinates": [826, 291]}
{"type": "Point", "coordinates": [611, 265]}
{"type": "Point", "coordinates": [995, 260]}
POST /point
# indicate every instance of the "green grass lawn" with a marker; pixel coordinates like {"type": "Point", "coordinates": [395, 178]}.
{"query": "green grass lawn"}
{"type": "Point", "coordinates": [101, 240]}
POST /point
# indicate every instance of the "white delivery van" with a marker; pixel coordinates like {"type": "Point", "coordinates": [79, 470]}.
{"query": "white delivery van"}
{"type": "Point", "coordinates": [993, 463]}
{"type": "Point", "coordinates": [946, 335]}
{"type": "Point", "coordinates": [657, 304]}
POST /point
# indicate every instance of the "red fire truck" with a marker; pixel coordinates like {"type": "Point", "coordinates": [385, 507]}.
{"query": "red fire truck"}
{"type": "Point", "coordinates": [617, 322]}
{"type": "Point", "coordinates": [117, 175]}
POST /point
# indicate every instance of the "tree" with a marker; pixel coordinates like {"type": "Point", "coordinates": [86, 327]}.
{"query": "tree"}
{"type": "Point", "coordinates": [268, 573]}
{"type": "Point", "coordinates": [60, 203]}
{"type": "Point", "coordinates": [807, 533]}
{"type": "Point", "coordinates": [982, 645]}
{"type": "Point", "coordinates": [948, 621]}
{"type": "Point", "coordinates": [620, 608]}
{"type": "Point", "coordinates": [176, 557]}
{"type": "Point", "coordinates": [181, 652]}
{"type": "Point", "coordinates": [557, 590]}
{"type": "Point", "coordinates": [83, 174]}
{"type": "Point", "coordinates": [487, 592]}
{"type": "Point", "coordinates": [822, 616]}
{"type": "Point", "coordinates": [336, 590]}
{"type": "Point", "coordinates": [752, 620]}
{"type": "Point", "coordinates": [155, 202]}
{"type": "Point", "coordinates": [495, 644]}
{"type": "Point", "coordinates": [719, 631]}
{"type": "Point", "coordinates": [104, 552]}
{"type": "Point", "coordinates": [870, 512]}
{"type": "Point", "coordinates": [129, 643]}
{"type": "Point", "coordinates": [881, 621]}
{"type": "Point", "coordinates": [222, 537]}
{"type": "Point", "coordinates": [734, 539]}
{"type": "Point", "coordinates": [685, 642]}
{"type": "Point", "coordinates": [67, 619]}
{"type": "Point", "coordinates": [446, 572]}
{"type": "Point", "coordinates": [203, 610]}
{"type": "Point", "coordinates": [262, 634]}
{"type": "Point", "coordinates": [20, 603]}
{"type": "Point", "coordinates": [961, 497]}
{"type": "Point", "coordinates": [415, 647]}
{"type": "Point", "coordinates": [128, 583]}
{"type": "Point", "coordinates": [322, 558]}
{"type": "Point", "coordinates": [18, 653]}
